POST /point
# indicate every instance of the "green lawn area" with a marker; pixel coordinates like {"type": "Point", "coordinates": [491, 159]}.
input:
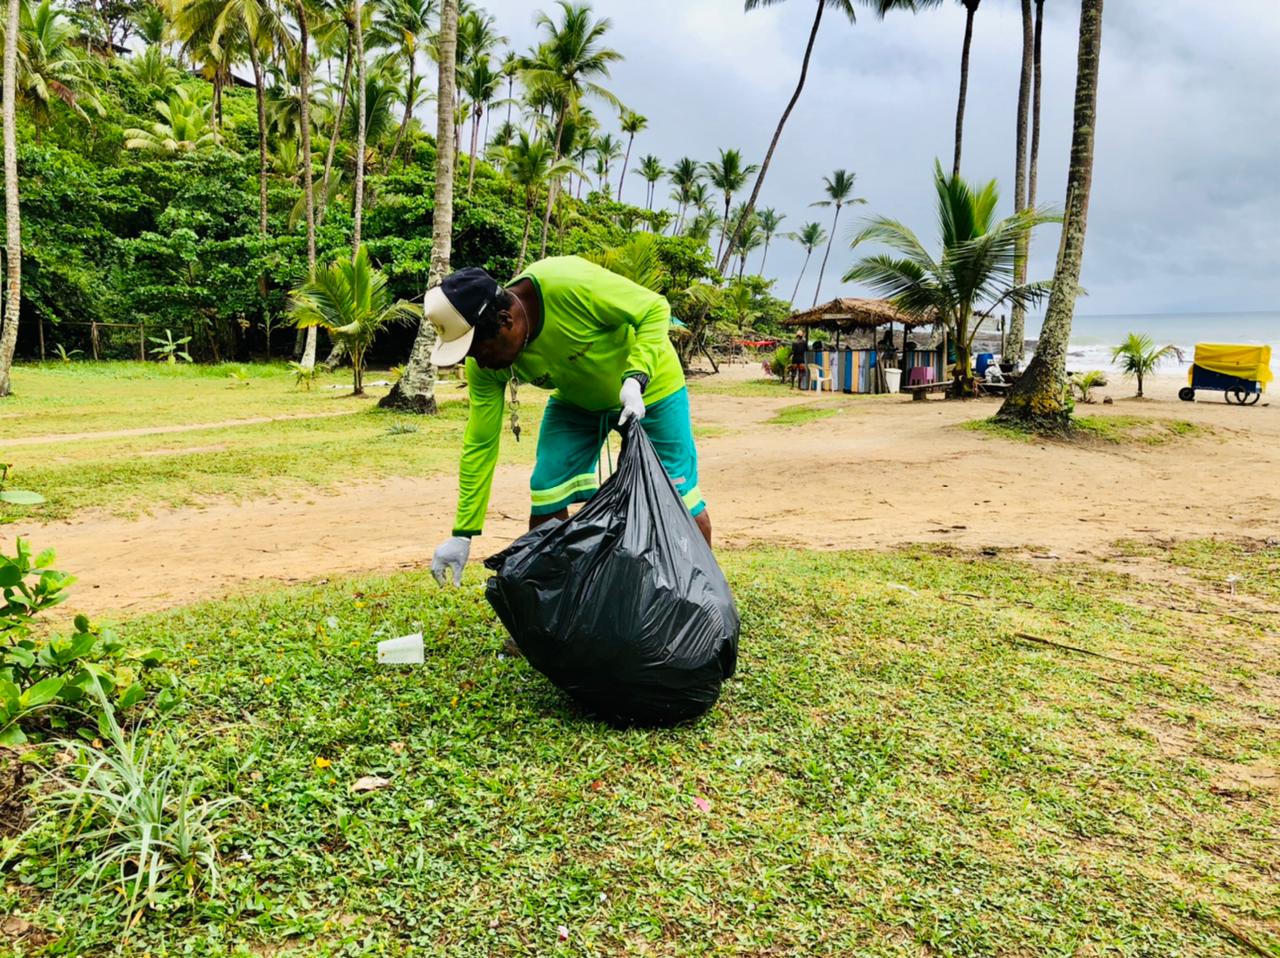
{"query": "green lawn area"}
{"type": "Point", "coordinates": [346, 440]}
{"type": "Point", "coordinates": [893, 772]}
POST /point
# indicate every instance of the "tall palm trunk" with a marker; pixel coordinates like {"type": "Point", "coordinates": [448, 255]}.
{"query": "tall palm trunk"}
{"type": "Point", "coordinates": [337, 126]}
{"type": "Point", "coordinates": [777, 134]}
{"type": "Point", "coordinates": [308, 180]}
{"type": "Point", "coordinates": [724, 229]}
{"type": "Point", "coordinates": [803, 266]}
{"type": "Point", "coordinates": [408, 108]}
{"type": "Point", "coordinates": [823, 271]}
{"type": "Point", "coordinates": [1013, 348]}
{"type": "Point", "coordinates": [12, 212]}
{"type": "Point", "coordinates": [1037, 397]}
{"type": "Point", "coordinates": [551, 190]}
{"type": "Point", "coordinates": [357, 215]}
{"type": "Point", "coordinates": [528, 221]}
{"type": "Point", "coordinates": [264, 166]}
{"type": "Point", "coordinates": [416, 390]}
{"type": "Point", "coordinates": [1035, 108]}
{"type": "Point", "coordinates": [622, 177]}
{"type": "Point", "coordinates": [971, 7]}
{"type": "Point", "coordinates": [764, 256]}
{"type": "Point", "coordinates": [476, 110]}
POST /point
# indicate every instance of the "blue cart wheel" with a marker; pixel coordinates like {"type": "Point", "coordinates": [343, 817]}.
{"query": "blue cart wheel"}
{"type": "Point", "coordinates": [1187, 394]}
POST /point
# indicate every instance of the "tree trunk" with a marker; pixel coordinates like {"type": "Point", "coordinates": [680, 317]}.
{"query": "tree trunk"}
{"type": "Point", "coordinates": [724, 230]}
{"type": "Point", "coordinates": [777, 134]}
{"type": "Point", "coordinates": [263, 162]}
{"type": "Point", "coordinates": [764, 256]}
{"type": "Point", "coordinates": [12, 213]}
{"type": "Point", "coordinates": [416, 390]}
{"type": "Point", "coordinates": [1013, 348]}
{"type": "Point", "coordinates": [830, 239]}
{"type": "Point", "coordinates": [357, 216]}
{"type": "Point", "coordinates": [971, 7]}
{"type": "Point", "coordinates": [805, 265]}
{"type": "Point", "coordinates": [408, 109]}
{"type": "Point", "coordinates": [476, 110]}
{"type": "Point", "coordinates": [551, 189]}
{"type": "Point", "coordinates": [524, 240]}
{"type": "Point", "coordinates": [1037, 397]}
{"type": "Point", "coordinates": [337, 129]}
{"type": "Point", "coordinates": [308, 181]}
{"type": "Point", "coordinates": [622, 178]}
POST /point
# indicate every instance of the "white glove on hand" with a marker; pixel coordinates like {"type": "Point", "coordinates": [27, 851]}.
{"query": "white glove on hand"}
{"type": "Point", "coordinates": [632, 399]}
{"type": "Point", "coordinates": [451, 554]}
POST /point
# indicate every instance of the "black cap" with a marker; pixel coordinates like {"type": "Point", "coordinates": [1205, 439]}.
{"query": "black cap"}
{"type": "Point", "coordinates": [472, 292]}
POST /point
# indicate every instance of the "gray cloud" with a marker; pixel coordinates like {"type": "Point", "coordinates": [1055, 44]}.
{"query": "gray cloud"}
{"type": "Point", "coordinates": [1185, 201]}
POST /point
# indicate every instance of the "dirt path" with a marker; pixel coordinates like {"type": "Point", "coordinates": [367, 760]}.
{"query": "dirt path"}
{"type": "Point", "coordinates": [162, 430]}
{"type": "Point", "coordinates": [879, 473]}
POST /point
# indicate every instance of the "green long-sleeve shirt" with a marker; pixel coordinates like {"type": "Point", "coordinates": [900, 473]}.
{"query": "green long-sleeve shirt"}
{"type": "Point", "coordinates": [597, 327]}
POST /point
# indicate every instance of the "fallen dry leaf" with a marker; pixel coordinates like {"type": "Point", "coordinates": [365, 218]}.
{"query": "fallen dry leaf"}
{"type": "Point", "coordinates": [397, 747]}
{"type": "Point", "coordinates": [369, 783]}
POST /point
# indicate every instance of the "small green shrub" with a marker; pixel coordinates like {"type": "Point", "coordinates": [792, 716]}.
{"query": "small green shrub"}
{"type": "Point", "coordinates": [138, 827]}
{"type": "Point", "coordinates": [50, 685]}
{"type": "Point", "coordinates": [1085, 383]}
{"type": "Point", "coordinates": [305, 376]}
{"type": "Point", "coordinates": [781, 360]}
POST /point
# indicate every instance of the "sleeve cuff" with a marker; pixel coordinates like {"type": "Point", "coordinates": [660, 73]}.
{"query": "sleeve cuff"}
{"type": "Point", "coordinates": [466, 533]}
{"type": "Point", "coordinates": [640, 377]}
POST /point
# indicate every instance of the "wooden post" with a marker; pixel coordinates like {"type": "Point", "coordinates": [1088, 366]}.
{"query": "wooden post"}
{"type": "Point", "coordinates": [40, 333]}
{"type": "Point", "coordinates": [142, 342]}
{"type": "Point", "coordinates": [93, 338]}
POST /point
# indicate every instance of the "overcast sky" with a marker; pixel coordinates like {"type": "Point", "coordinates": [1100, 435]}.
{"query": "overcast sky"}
{"type": "Point", "coordinates": [1185, 212]}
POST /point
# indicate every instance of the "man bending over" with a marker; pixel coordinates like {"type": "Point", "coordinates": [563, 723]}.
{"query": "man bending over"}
{"type": "Point", "coordinates": [600, 342]}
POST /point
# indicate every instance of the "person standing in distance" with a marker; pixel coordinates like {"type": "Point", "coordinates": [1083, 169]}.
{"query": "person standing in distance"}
{"type": "Point", "coordinates": [601, 343]}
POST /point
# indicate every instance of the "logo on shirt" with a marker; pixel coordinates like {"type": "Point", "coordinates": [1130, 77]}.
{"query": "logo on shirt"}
{"type": "Point", "coordinates": [574, 357]}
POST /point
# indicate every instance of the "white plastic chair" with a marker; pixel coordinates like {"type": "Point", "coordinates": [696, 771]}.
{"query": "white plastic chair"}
{"type": "Point", "coordinates": [818, 378]}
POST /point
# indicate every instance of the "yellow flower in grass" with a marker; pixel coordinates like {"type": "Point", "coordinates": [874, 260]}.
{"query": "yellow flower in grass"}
{"type": "Point", "coordinates": [322, 762]}
{"type": "Point", "coordinates": [267, 680]}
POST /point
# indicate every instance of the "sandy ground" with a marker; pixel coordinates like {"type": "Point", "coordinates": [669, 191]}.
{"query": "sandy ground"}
{"type": "Point", "coordinates": [882, 472]}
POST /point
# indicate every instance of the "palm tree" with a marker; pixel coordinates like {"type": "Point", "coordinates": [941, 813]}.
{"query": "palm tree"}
{"type": "Point", "coordinates": [970, 8]}
{"type": "Point", "coordinates": [632, 123]}
{"type": "Point", "coordinates": [565, 69]}
{"type": "Point", "coordinates": [971, 276]}
{"type": "Point", "coordinates": [1015, 345]}
{"type": "Point", "coordinates": [357, 216]}
{"type": "Point", "coordinates": [404, 25]}
{"type": "Point", "coordinates": [152, 70]}
{"type": "Point", "coordinates": [530, 164]}
{"type": "Point", "coordinates": [684, 176]}
{"type": "Point", "coordinates": [749, 237]}
{"type": "Point", "coordinates": [810, 236]}
{"type": "Point", "coordinates": [511, 66]}
{"type": "Point", "coordinates": [1138, 356]}
{"type": "Point", "coordinates": [607, 149]}
{"type": "Point", "coordinates": [1037, 397]}
{"type": "Point", "coordinates": [12, 210]}
{"type": "Point", "coordinates": [480, 83]}
{"type": "Point", "coordinates": [50, 68]}
{"type": "Point", "coordinates": [769, 220]}
{"type": "Point", "coordinates": [302, 14]}
{"type": "Point", "coordinates": [880, 7]}
{"type": "Point", "coordinates": [185, 127]}
{"type": "Point", "coordinates": [728, 175]}
{"type": "Point", "coordinates": [839, 187]}
{"type": "Point", "coordinates": [651, 171]}
{"type": "Point", "coordinates": [254, 25]}
{"type": "Point", "coordinates": [1017, 318]}
{"type": "Point", "coordinates": [416, 389]}
{"type": "Point", "coordinates": [351, 302]}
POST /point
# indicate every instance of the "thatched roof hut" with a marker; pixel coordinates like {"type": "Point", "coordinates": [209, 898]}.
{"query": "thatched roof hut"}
{"type": "Point", "coordinates": [849, 313]}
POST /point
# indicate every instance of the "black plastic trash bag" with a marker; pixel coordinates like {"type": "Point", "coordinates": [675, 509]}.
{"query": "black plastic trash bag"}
{"type": "Point", "coordinates": [623, 605]}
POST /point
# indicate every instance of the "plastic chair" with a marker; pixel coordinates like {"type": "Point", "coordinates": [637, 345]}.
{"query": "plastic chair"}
{"type": "Point", "coordinates": [818, 378]}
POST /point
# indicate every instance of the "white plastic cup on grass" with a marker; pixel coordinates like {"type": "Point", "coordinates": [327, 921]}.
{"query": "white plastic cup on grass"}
{"type": "Point", "coordinates": [406, 650]}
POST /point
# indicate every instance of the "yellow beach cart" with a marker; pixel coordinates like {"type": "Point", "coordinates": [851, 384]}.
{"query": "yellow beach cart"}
{"type": "Point", "coordinates": [1240, 373]}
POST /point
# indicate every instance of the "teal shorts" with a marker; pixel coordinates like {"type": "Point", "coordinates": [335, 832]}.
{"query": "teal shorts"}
{"type": "Point", "coordinates": [569, 445]}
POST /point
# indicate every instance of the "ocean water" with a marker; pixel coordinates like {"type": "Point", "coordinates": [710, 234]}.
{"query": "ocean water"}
{"type": "Point", "coordinates": [1094, 337]}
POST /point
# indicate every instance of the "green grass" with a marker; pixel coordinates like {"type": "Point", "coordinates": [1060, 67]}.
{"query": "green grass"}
{"type": "Point", "coordinates": [801, 413]}
{"type": "Point", "coordinates": [349, 439]}
{"type": "Point", "coordinates": [1113, 430]}
{"type": "Point", "coordinates": [746, 388]}
{"type": "Point", "coordinates": [891, 773]}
